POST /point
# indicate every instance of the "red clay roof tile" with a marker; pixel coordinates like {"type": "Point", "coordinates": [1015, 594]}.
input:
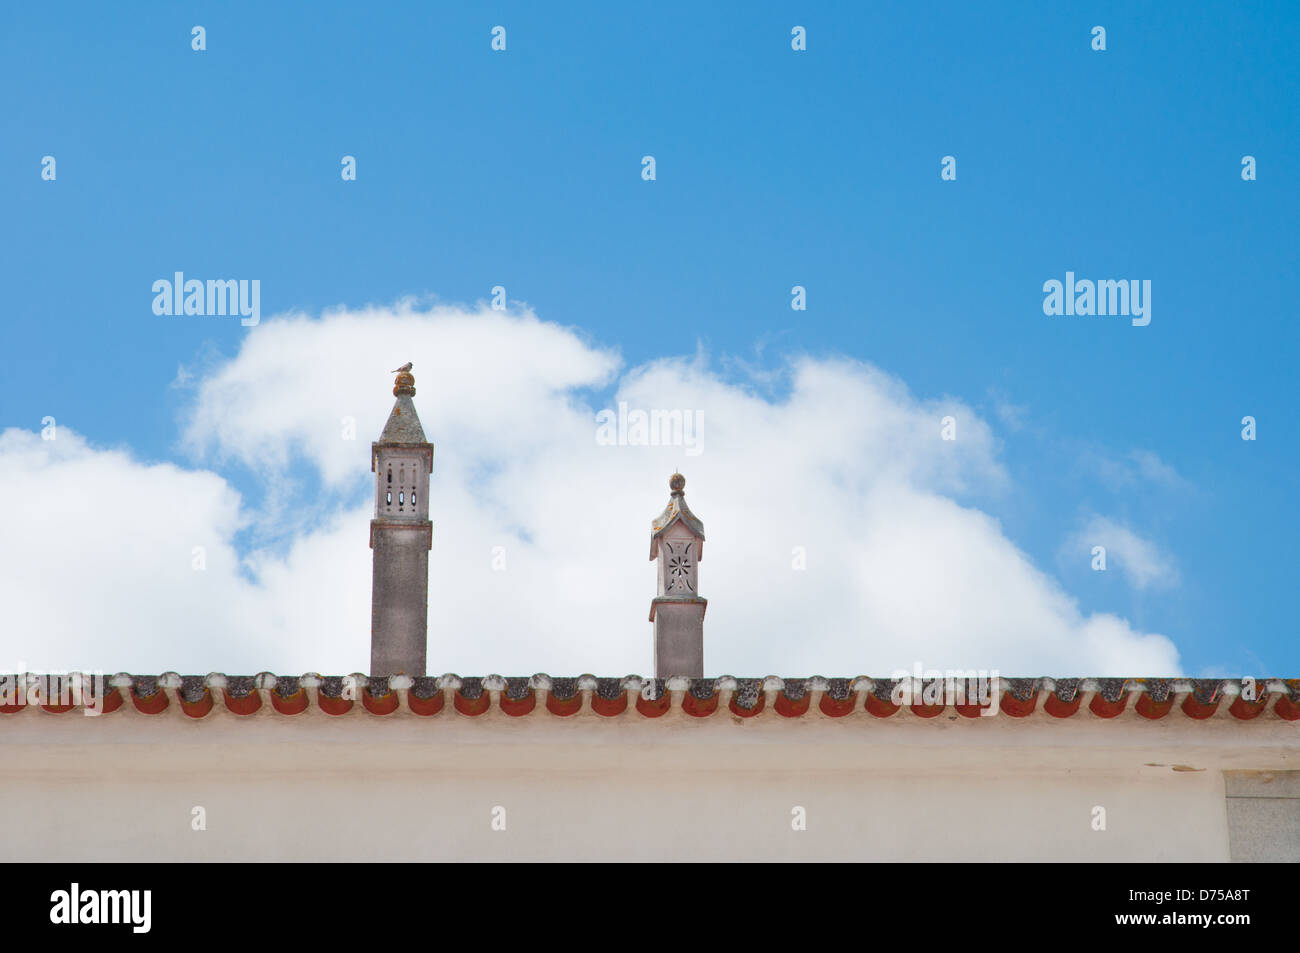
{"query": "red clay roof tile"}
{"type": "Point", "coordinates": [198, 696]}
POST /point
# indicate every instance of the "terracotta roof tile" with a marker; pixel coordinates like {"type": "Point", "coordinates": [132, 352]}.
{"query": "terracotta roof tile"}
{"type": "Point", "coordinates": [198, 696]}
{"type": "Point", "coordinates": [332, 686]}
{"type": "Point", "coordinates": [425, 687]}
{"type": "Point", "coordinates": [240, 686]}
{"type": "Point", "coordinates": [1067, 688]}
{"type": "Point", "coordinates": [193, 688]}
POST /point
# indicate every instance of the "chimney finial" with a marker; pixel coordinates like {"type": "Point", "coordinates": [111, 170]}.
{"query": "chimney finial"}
{"type": "Point", "coordinates": [404, 386]}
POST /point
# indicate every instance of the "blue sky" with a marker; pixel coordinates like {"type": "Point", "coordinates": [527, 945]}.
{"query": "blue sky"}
{"type": "Point", "coordinates": [774, 168]}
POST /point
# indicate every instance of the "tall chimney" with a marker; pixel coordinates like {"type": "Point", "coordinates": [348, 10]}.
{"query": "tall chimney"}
{"type": "Point", "coordinates": [677, 541]}
{"type": "Point", "coordinates": [401, 537]}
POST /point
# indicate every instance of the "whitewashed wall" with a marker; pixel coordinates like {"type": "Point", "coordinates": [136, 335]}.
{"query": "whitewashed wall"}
{"type": "Point", "coordinates": [362, 787]}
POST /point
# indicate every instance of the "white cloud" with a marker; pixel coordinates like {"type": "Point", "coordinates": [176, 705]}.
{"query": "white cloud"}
{"type": "Point", "coordinates": [1137, 467]}
{"type": "Point", "coordinates": [1155, 470]}
{"type": "Point", "coordinates": [1144, 563]}
{"type": "Point", "coordinates": [97, 572]}
{"type": "Point", "coordinates": [1013, 416]}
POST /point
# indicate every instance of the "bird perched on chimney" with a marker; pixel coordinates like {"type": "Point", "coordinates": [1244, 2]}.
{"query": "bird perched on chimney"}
{"type": "Point", "coordinates": [403, 369]}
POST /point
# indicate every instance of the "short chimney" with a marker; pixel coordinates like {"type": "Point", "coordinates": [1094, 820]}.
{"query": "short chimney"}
{"type": "Point", "coordinates": [401, 537]}
{"type": "Point", "coordinates": [677, 541]}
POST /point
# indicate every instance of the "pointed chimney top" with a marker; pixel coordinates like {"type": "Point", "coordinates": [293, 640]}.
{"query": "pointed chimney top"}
{"type": "Point", "coordinates": [676, 511]}
{"type": "Point", "coordinates": [403, 425]}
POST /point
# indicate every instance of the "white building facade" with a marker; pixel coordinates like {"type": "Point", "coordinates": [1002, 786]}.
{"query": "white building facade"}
{"type": "Point", "coordinates": [310, 768]}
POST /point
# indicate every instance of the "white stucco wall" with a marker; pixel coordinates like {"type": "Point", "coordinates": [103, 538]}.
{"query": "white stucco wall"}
{"type": "Point", "coordinates": [364, 787]}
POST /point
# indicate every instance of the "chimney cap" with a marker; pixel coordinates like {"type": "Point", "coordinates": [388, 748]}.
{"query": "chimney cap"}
{"type": "Point", "coordinates": [403, 426]}
{"type": "Point", "coordinates": [675, 511]}
{"type": "Point", "coordinates": [404, 386]}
